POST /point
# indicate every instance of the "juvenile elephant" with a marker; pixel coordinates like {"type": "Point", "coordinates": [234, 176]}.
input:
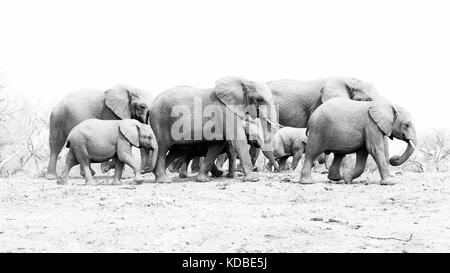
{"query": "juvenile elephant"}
{"type": "Point", "coordinates": [94, 141]}
{"type": "Point", "coordinates": [343, 126]}
{"type": "Point", "coordinates": [286, 142]}
{"type": "Point", "coordinates": [119, 102]}
{"type": "Point", "coordinates": [187, 115]}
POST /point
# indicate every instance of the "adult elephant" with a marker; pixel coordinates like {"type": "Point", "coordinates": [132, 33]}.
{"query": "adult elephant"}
{"type": "Point", "coordinates": [208, 115]}
{"type": "Point", "coordinates": [119, 102]}
{"type": "Point", "coordinates": [297, 100]}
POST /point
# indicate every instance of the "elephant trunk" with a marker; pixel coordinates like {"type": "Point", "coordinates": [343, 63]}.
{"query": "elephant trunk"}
{"type": "Point", "coordinates": [144, 159]}
{"type": "Point", "coordinates": [269, 155]}
{"type": "Point", "coordinates": [398, 160]}
{"type": "Point", "coordinates": [268, 116]}
{"type": "Point", "coordinates": [148, 157]}
{"type": "Point", "coordinates": [153, 154]}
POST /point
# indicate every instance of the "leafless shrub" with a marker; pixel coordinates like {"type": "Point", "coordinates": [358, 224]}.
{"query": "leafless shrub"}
{"type": "Point", "coordinates": [432, 154]}
{"type": "Point", "coordinates": [23, 141]}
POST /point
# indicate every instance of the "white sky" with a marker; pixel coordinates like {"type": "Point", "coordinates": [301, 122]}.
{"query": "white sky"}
{"type": "Point", "coordinates": [49, 48]}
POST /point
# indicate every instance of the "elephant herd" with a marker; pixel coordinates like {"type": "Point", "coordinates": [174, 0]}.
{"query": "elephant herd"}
{"type": "Point", "coordinates": [233, 120]}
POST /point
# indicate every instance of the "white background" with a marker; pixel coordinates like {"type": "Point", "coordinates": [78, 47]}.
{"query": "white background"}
{"type": "Point", "coordinates": [49, 48]}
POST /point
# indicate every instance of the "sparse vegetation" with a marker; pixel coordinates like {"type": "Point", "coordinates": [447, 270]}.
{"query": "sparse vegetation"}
{"type": "Point", "coordinates": [24, 137]}
{"type": "Point", "coordinates": [433, 153]}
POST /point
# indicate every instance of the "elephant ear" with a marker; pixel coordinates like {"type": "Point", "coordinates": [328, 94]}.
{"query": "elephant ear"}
{"type": "Point", "coordinates": [361, 91]}
{"type": "Point", "coordinates": [233, 91]}
{"type": "Point", "coordinates": [129, 129]}
{"type": "Point", "coordinates": [118, 100]}
{"type": "Point", "coordinates": [383, 116]}
{"type": "Point", "coordinates": [350, 88]}
{"type": "Point", "coordinates": [334, 88]}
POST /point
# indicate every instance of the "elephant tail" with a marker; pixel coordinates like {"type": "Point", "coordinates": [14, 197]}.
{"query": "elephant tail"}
{"type": "Point", "coordinates": [68, 144]}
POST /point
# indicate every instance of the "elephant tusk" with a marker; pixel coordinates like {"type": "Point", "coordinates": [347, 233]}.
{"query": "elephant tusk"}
{"type": "Point", "coordinates": [412, 144]}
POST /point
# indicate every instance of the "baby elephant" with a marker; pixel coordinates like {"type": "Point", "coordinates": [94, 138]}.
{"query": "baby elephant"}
{"type": "Point", "coordinates": [96, 141]}
{"type": "Point", "coordinates": [286, 142]}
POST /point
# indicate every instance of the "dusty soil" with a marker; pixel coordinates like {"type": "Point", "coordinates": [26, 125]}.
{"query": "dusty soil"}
{"type": "Point", "coordinates": [228, 215]}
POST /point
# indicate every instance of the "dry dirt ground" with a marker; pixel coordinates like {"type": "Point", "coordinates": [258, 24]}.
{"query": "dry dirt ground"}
{"type": "Point", "coordinates": [227, 215]}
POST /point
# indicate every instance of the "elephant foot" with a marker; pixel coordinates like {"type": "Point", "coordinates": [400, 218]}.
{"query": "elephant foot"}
{"type": "Point", "coordinates": [250, 178]}
{"type": "Point", "coordinates": [256, 169]}
{"type": "Point", "coordinates": [216, 172]}
{"type": "Point", "coordinates": [334, 177]}
{"type": "Point", "coordinates": [348, 179]}
{"type": "Point", "coordinates": [163, 179]}
{"type": "Point", "coordinates": [306, 180]}
{"type": "Point", "coordinates": [387, 182]}
{"type": "Point", "coordinates": [231, 175]}
{"type": "Point", "coordinates": [182, 175]}
{"type": "Point", "coordinates": [202, 178]}
{"type": "Point", "coordinates": [138, 180]}
{"type": "Point", "coordinates": [116, 182]}
{"type": "Point", "coordinates": [51, 176]}
{"type": "Point", "coordinates": [92, 182]}
{"type": "Point", "coordinates": [61, 181]}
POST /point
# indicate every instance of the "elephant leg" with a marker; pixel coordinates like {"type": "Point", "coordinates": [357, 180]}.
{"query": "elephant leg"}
{"type": "Point", "coordinates": [269, 166]}
{"type": "Point", "coordinates": [386, 148]}
{"type": "Point", "coordinates": [161, 165]}
{"type": "Point", "coordinates": [296, 158]}
{"type": "Point", "coordinates": [127, 158]}
{"type": "Point", "coordinates": [221, 160]}
{"type": "Point", "coordinates": [85, 165]}
{"type": "Point", "coordinates": [118, 166]}
{"type": "Point", "coordinates": [282, 163]}
{"type": "Point", "coordinates": [56, 143]}
{"type": "Point", "coordinates": [334, 173]}
{"type": "Point", "coordinates": [83, 157]}
{"type": "Point", "coordinates": [254, 154]}
{"type": "Point", "coordinates": [231, 154]}
{"type": "Point", "coordinates": [90, 169]}
{"type": "Point", "coordinates": [326, 163]}
{"type": "Point", "coordinates": [376, 149]}
{"type": "Point", "coordinates": [313, 149]}
{"type": "Point", "coordinates": [213, 151]}
{"type": "Point", "coordinates": [361, 159]}
{"type": "Point", "coordinates": [71, 161]}
{"type": "Point", "coordinates": [195, 165]}
{"type": "Point", "coordinates": [241, 148]}
{"type": "Point", "coordinates": [305, 176]}
{"type": "Point", "coordinates": [182, 171]}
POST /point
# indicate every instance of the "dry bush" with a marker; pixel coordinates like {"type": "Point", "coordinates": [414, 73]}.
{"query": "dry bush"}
{"type": "Point", "coordinates": [24, 138]}
{"type": "Point", "coordinates": [432, 154]}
